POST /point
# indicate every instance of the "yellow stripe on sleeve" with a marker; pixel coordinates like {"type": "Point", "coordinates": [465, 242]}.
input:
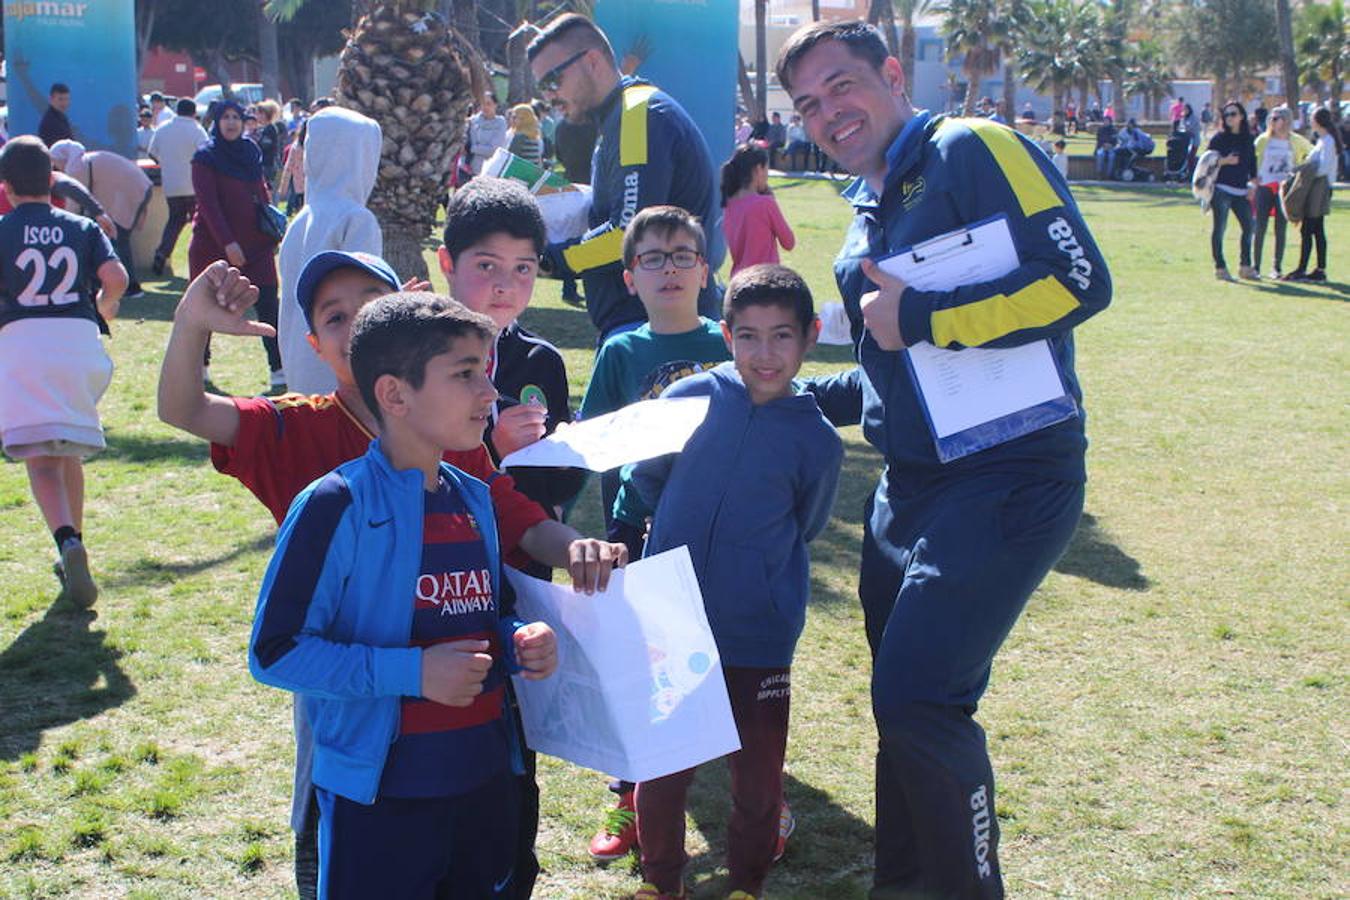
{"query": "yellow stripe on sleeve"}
{"type": "Point", "coordinates": [599, 251]}
{"type": "Point", "coordinates": [633, 125]}
{"type": "Point", "coordinates": [975, 324]}
{"type": "Point", "coordinates": [1029, 184]}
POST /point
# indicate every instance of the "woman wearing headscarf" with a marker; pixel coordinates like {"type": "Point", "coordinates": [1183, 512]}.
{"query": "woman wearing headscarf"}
{"type": "Point", "coordinates": [120, 187]}
{"type": "Point", "coordinates": [525, 138]}
{"type": "Point", "coordinates": [227, 176]}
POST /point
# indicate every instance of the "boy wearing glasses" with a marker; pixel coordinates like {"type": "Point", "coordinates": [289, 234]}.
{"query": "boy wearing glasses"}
{"type": "Point", "coordinates": [664, 266]}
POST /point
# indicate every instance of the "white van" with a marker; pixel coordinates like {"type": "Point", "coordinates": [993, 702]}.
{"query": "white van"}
{"type": "Point", "coordinates": [246, 94]}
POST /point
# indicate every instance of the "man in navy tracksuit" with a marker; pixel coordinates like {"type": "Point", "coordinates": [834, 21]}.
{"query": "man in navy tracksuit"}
{"type": "Point", "coordinates": [649, 153]}
{"type": "Point", "coordinates": [951, 551]}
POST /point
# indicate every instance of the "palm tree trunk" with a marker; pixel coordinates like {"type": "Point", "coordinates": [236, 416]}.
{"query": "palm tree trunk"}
{"type": "Point", "coordinates": [1009, 92]}
{"type": "Point", "coordinates": [1288, 63]}
{"type": "Point", "coordinates": [877, 10]}
{"type": "Point", "coordinates": [747, 89]}
{"type": "Point", "coordinates": [972, 94]}
{"type": "Point", "coordinates": [815, 10]}
{"type": "Point", "coordinates": [761, 59]}
{"type": "Point", "coordinates": [270, 55]}
{"type": "Point", "coordinates": [521, 87]}
{"type": "Point", "coordinates": [466, 23]}
{"type": "Point", "coordinates": [908, 51]}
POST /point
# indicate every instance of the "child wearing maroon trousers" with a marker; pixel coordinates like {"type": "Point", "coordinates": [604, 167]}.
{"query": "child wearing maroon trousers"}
{"type": "Point", "coordinates": [753, 485]}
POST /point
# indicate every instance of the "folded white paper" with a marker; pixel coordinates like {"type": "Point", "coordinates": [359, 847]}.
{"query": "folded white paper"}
{"type": "Point", "coordinates": [638, 431]}
{"type": "Point", "coordinates": [639, 691]}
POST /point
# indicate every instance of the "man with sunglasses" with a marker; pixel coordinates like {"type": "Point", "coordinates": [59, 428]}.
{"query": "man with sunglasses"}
{"type": "Point", "coordinates": [951, 549]}
{"type": "Point", "coordinates": [649, 153]}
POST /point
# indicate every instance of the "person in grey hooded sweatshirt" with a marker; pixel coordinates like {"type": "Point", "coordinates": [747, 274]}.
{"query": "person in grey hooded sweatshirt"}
{"type": "Point", "coordinates": [342, 158]}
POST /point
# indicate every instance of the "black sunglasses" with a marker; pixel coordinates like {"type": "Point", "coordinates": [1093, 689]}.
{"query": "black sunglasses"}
{"type": "Point", "coordinates": [550, 80]}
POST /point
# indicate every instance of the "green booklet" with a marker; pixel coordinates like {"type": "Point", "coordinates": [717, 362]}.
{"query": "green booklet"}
{"type": "Point", "coordinates": [505, 164]}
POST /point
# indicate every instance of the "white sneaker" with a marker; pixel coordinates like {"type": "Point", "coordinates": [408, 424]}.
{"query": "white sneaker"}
{"type": "Point", "coordinates": [79, 583]}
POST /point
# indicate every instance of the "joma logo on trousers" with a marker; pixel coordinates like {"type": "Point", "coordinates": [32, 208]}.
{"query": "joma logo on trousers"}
{"type": "Point", "coordinates": [979, 801]}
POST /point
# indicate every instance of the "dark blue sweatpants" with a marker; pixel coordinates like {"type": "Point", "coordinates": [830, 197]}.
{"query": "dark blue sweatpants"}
{"type": "Point", "coordinates": [446, 848]}
{"type": "Point", "coordinates": [946, 571]}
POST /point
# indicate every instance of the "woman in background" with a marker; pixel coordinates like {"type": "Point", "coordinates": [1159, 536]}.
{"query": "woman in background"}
{"type": "Point", "coordinates": [525, 139]}
{"type": "Point", "coordinates": [227, 176]}
{"type": "Point", "coordinates": [1325, 156]}
{"type": "Point", "coordinates": [1234, 188]}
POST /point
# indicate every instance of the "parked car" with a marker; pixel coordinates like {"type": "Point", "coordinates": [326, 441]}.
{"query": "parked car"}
{"type": "Point", "coordinates": [244, 93]}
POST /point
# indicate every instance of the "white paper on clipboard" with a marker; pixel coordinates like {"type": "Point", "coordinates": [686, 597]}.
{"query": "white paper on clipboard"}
{"type": "Point", "coordinates": [964, 389]}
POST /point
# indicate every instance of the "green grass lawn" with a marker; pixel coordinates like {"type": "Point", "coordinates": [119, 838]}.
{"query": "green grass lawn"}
{"type": "Point", "coordinates": [1163, 718]}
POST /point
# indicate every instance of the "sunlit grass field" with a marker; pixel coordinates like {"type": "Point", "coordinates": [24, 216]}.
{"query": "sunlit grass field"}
{"type": "Point", "coordinates": [1163, 720]}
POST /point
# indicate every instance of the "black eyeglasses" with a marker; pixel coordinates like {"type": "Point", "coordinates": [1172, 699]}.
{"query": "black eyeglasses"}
{"type": "Point", "coordinates": [550, 80]}
{"type": "Point", "coordinates": [655, 260]}
{"type": "Point", "coordinates": [1232, 114]}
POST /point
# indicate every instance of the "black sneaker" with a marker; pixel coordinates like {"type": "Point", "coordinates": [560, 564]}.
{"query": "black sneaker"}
{"type": "Point", "coordinates": [158, 266]}
{"type": "Point", "coordinates": [1316, 275]}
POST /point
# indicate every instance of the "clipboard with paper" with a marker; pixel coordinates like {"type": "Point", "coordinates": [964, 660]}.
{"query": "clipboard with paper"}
{"type": "Point", "coordinates": [978, 398]}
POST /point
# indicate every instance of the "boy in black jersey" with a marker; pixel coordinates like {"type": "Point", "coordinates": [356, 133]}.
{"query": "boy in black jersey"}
{"type": "Point", "coordinates": [493, 236]}
{"type": "Point", "coordinates": [52, 363]}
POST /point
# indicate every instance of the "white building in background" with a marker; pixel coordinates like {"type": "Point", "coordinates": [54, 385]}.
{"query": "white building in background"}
{"type": "Point", "coordinates": [939, 84]}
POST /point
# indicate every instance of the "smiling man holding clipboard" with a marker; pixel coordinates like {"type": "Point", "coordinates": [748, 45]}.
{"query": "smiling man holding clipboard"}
{"type": "Point", "coordinates": [978, 498]}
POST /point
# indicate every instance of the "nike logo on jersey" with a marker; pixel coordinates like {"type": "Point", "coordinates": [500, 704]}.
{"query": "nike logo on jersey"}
{"type": "Point", "coordinates": [381, 523]}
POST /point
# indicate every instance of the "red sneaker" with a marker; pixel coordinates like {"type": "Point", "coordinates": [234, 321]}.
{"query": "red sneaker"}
{"type": "Point", "coordinates": [619, 834]}
{"type": "Point", "coordinates": [787, 823]}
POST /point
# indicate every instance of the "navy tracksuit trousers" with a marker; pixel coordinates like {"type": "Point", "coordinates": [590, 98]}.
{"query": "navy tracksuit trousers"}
{"type": "Point", "coordinates": [435, 848]}
{"type": "Point", "coordinates": [946, 570]}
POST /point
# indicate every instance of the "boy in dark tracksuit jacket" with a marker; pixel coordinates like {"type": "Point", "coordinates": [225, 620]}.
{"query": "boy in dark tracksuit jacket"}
{"type": "Point", "coordinates": [381, 607]}
{"type": "Point", "coordinates": [951, 551]}
{"type": "Point", "coordinates": [752, 487]}
{"type": "Point", "coordinates": [490, 256]}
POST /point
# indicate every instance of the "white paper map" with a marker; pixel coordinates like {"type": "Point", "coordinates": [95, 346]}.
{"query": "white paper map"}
{"type": "Point", "coordinates": [638, 431]}
{"type": "Point", "coordinates": [639, 692]}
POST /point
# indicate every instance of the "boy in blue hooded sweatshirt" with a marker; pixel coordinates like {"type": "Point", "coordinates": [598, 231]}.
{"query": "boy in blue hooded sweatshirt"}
{"type": "Point", "coordinates": [754, 484]}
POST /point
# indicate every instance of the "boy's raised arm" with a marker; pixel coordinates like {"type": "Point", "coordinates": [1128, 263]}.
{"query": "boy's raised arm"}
{"type": "Point", "coordinates": [215, 301]}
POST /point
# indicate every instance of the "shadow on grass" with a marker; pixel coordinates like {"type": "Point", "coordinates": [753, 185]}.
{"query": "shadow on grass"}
{"type": "Point", "coordinates": [1093, 555]}
{"type": "Point", "coordinates": [829, 839]}
{"type": "Point", "coordinates": [140, 448]}
{"type": "Point", "coordinates": [150, 571]}
{"type": "Point", "coordinates": [157, 305]}
{"type": "Point", "coordinates": [1337, 291]}
{"type": "Point", "coordinates": [58, 671]}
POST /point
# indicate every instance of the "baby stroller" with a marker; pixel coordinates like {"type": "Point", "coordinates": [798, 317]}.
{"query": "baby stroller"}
{"type": "Point", "coordinates": [1178, 163]}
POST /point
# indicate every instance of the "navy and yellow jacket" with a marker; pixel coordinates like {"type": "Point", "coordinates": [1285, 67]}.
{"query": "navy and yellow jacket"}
{"type": "Point", "coordinates": [944, 173]}
{"type": "Point", "coordinates": [649, 152]}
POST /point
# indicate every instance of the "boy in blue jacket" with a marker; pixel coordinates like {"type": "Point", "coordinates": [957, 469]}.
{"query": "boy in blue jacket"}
{"type": "Point", "coordinates": [754, 484]}
{"type": "Point", "coordinates": [382, 608]}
